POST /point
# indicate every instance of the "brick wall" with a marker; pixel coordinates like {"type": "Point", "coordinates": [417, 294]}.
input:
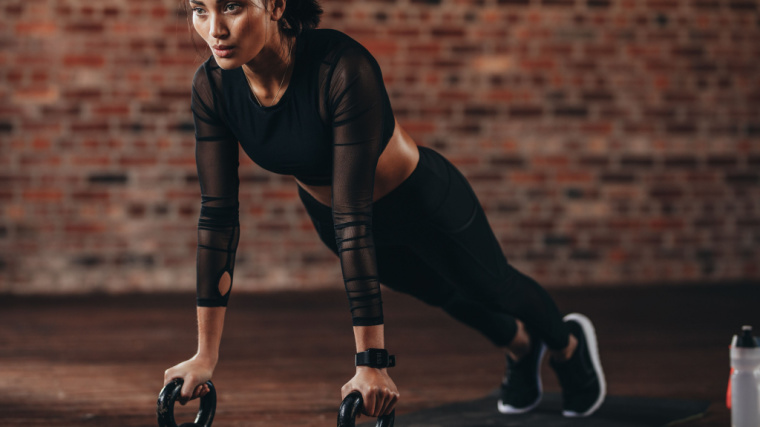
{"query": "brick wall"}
{"type": "Point", "coordinates": [609, 141]}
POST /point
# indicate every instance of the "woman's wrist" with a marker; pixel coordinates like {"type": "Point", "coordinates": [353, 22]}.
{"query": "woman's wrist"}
{"type": "Point", "coordinates": [365, 369]}
{"type": "Point", "coordinates": [210, 326]}
{"type": "Point", "coordinates": [369, 337]}
{"type": "Point", "coordinates": [208, 358]}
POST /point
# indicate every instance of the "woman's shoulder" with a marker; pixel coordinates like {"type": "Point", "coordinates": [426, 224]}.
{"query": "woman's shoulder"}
{"type": "Point", "coordinates": [205, 70]}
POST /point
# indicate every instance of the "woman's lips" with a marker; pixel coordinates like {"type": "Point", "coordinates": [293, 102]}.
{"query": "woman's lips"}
{"type": "Point", "coordinates": [223, 52]}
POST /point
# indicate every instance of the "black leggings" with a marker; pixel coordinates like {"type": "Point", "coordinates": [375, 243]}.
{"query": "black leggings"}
{"type": "Point", "coordinates": [433, 241]}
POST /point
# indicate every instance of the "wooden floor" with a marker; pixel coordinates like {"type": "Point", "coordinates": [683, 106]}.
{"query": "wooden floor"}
{"type": "Point", "coordinates": [99, 361]}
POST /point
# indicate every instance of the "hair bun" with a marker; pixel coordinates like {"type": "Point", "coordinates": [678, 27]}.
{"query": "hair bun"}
{"type": "Point", "coordinates": [300, 15]}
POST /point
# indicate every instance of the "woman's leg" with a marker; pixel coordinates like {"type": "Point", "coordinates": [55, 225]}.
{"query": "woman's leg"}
{"type": "Point", "coordinates": [452, 237]}
{"type": "Point", "coordinates": [402, 270]}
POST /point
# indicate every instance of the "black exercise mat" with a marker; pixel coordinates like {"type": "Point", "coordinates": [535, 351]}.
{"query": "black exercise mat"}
{"type": "Point", "coordinates": [617, 411]}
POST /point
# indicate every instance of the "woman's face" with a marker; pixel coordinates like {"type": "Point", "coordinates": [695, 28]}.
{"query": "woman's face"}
{"type": "Point", "coordinates": [236, 31]}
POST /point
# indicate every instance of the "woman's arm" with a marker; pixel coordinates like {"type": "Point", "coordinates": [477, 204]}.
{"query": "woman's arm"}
{"type": "Point", "coordinates": [362, 124]}
{"type": "Point", "coordinates": [216, 159]}
{"type": "Point", "coordinates": [216, 156]}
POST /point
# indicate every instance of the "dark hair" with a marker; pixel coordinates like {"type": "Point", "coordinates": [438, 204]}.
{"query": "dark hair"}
{"type": "Point", "coordinates": [300, 15]}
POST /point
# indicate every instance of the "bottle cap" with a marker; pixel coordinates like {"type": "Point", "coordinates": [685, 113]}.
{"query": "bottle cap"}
{"type": "Point", "coordinates": [746, 340]}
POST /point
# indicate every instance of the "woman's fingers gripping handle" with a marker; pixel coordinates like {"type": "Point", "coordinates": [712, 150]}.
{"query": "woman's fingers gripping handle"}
{"type": "Point", "coordinates": [194, 374]}
{"type": "Point", "coordinates": [378, 391]}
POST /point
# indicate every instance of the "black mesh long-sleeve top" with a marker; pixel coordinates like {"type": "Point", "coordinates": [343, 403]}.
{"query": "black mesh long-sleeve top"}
{"type": "Point", "coordinates": [328, 128]}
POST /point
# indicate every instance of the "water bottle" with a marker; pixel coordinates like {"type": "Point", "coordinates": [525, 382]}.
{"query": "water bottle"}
{"type": "Point", "coordinates": [745, 380]}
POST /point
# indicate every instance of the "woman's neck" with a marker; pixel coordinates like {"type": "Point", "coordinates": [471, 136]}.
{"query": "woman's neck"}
{"type": "Point", "coordinates": [266, 70]}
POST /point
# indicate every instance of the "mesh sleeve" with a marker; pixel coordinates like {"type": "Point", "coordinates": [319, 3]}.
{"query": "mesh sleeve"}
{"type": "Point", "coordinates": [359, 107]}
{"type": "Point", "coordinates": [216, 157]}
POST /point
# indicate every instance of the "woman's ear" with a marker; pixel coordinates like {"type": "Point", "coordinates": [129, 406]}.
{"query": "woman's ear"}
{"type": "Point", "coordinates": [278, 9]}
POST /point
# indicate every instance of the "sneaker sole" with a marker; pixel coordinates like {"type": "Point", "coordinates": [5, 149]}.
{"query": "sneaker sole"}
{"type": "Point", "coordinates": [509, 409]}
{"type": "Point", "coordinates": [588, 330]}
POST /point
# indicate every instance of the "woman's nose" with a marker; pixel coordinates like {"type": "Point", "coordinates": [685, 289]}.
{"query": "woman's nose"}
{"type": "Point", "coordinates": [218, 29]}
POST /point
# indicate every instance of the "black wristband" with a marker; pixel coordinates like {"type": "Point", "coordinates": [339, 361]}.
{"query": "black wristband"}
{"type": "Point", "coordinates": [375, 358]}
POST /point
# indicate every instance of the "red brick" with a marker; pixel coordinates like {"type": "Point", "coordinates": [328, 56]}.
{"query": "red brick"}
{"type": "Point", "coordinates": [137, 161]}
{"type": "Point", "coordinates": [87, 160]}
{"type": "Point", "coordinates": [89, 28]}
{"type": "Point", "coordinates": [452, 95]}
{"type": "Point", "coordinates": [90, 196]}
{"type": "Point", "coordinates": [92, 126]}
{"type": "Point", "coordinates": [96, 61]}
{"type": "Point", "coordinates": [82, 94]}
{"type": "Point", "coordinates": [179, 195]}
{"type": "Point", "coordinates": [45, 29]}
{"type": "Point", "coordinates": [538, 65]}
{"type": "Point", "coordinates": [43, 195]}
{"type": "Point", "coordinates": [551, 162]}
{"type": "Point", "coordinates": [40, 160]}
{"type": "Point", "coordinates": [181, 161]}
{"type": "Point", "coordinates": [111, 110]}
{"type": "Point", "coordinates": [158, 12]}
{"type": "Point", "coordinates": [61, 110]}
{"type": "Point", "coordinates": [84, 228]}
{"type": "Point", "coordinates": [526, 111]}
{"type": "Point", "coordinates": [520, 177]}
{"type": "Point", "coordinates": [40, 94]}
{"type": "Point", "coordinates": [176, 60]}
{"type": "Point", "coordinates": [175, 94]}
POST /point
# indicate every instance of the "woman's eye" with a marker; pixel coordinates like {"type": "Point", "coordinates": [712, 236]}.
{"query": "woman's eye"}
{"type": "Point", "coordinates": [232, 7]}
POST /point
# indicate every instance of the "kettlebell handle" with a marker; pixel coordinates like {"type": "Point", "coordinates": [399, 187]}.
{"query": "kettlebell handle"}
{"type": "Point", "coordinates": [171, 392]}
{"type": "Point", "coordinates": [350, 408]}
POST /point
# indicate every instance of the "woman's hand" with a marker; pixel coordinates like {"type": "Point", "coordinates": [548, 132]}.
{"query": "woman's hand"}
{"type": "Point", "coordinates": [378, 390]}
{"type": "Point", "coordinates": [194, 372]}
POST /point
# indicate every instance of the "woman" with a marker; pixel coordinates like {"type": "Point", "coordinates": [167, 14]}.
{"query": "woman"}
{"type": "Point", "coordinates": [311, 103]}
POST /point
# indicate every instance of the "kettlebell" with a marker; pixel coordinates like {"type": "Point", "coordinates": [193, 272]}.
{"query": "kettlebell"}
{"type": "Point", "coordinates": [351, 406]}
{"type": "Point", "coordinates": [170, 393]}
